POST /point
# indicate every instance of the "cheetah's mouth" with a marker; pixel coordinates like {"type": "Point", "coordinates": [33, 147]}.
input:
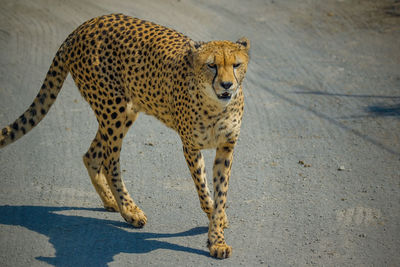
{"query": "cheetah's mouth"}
{"type": "Point", "coordinates": [225, 96]}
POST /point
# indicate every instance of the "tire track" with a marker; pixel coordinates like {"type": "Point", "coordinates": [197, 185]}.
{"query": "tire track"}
{"type": "Point", "coordinates": [358, 216]}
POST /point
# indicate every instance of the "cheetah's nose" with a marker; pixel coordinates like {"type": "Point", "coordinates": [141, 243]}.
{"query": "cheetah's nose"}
{"type": "Point", "coordinates": [226, 85]}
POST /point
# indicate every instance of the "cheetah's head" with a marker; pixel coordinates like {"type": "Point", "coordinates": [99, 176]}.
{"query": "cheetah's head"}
{"type": "Point", "coordinates": [219, 68]}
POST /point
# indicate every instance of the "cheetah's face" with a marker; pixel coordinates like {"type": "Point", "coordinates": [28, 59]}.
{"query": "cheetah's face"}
{"type": "Point", "coordinates": [220, 67]}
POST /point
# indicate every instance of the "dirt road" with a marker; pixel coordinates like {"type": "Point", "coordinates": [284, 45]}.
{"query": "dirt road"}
{"type": "Point", "coordinates": [316, 176]}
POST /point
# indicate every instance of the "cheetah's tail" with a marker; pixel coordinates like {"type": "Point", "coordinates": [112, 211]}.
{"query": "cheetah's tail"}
{"type": "Point", "coordinates": [52, 84]}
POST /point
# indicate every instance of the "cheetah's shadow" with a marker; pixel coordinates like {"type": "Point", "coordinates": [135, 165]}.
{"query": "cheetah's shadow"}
{"type": "Point", "coordinates": [85, 241]}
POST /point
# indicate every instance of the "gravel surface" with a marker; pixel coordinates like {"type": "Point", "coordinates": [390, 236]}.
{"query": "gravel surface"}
{"type": "Point", "coordinates": [316, 176]}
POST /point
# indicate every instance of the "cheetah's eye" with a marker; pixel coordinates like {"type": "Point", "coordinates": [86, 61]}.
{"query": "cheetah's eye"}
{"type": "Point", "coordinates": [237, 65]}
{"type": "Point", "coordinates": [212, 66]}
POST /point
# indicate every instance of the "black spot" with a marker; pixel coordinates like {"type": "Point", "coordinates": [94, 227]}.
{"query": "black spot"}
{"type": "Point", "coordinates": [129, 123]}
{"type": "Point", "coordinates": [227, 148]}
{"type": "Point", "coordinates": [42, 98]}
{"type": "Point", "coordinates": [118, 124]}
{"type": "Point", "coordinates": [227, 163]}
{"type": "Point", "coordinates": [110, 131]}
{"type": "Point", "coordinates": [15, 126]}
{"type": "Point", "coordinates": [114, 115]}
{"type": "Point", "coordinates": [23, 119]}
{"type": "Point", "coordinates": [115, 149]}
{"type": "Point", "coordinates": [118, 100]}
{"type": "Point", "coordinates": [32, 111]}
{"type": "Point", "coordinates": [121, 109]}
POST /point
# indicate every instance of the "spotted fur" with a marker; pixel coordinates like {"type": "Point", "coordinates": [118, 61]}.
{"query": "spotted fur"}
{"type": "Point", "coordinates": [123, 66]}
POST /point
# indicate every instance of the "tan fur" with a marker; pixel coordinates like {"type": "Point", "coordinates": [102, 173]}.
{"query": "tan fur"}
{"type": "Point", "coordinates": [124, 66]}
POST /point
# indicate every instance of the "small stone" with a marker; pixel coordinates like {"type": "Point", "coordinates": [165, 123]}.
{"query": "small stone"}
{"type": "Point", "coordinates": [341, 168]}
{"type": "Point", "coordinates": [306, 165]}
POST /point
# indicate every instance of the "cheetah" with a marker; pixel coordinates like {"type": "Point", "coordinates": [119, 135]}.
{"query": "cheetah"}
{"type": "Point", "coordinates": [123, 66]}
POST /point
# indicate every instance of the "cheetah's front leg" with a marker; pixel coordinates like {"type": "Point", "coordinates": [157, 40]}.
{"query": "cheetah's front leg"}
{"type": "Point", "coordinates": [195, 162]}
{"type": "Point", "coordinates": [221, 173]}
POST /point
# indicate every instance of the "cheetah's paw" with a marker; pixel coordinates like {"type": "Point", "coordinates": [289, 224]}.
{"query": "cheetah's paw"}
{"type": "Point", "coordinates": [220, 251]}
{"type": "Point", "coordinates": [136, 217]}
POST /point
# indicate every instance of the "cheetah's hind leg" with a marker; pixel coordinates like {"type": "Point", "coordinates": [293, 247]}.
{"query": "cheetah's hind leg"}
{"type": "Point", "coordinates": [113, 132]}
{"type": "Point", "coordinates": [93, 160]}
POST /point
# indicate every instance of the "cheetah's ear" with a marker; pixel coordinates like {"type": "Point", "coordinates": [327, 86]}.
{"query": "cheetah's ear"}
{"type": "Point", "coordinates": [193, 49]}
{"type": "Point", "coordinates": [195, 45]}
{"type": "Point", "coordinates": [244, 42]}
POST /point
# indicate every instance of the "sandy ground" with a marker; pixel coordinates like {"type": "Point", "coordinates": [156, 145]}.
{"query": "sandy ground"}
{"type": "Point", "coordinates": [322, 94]}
